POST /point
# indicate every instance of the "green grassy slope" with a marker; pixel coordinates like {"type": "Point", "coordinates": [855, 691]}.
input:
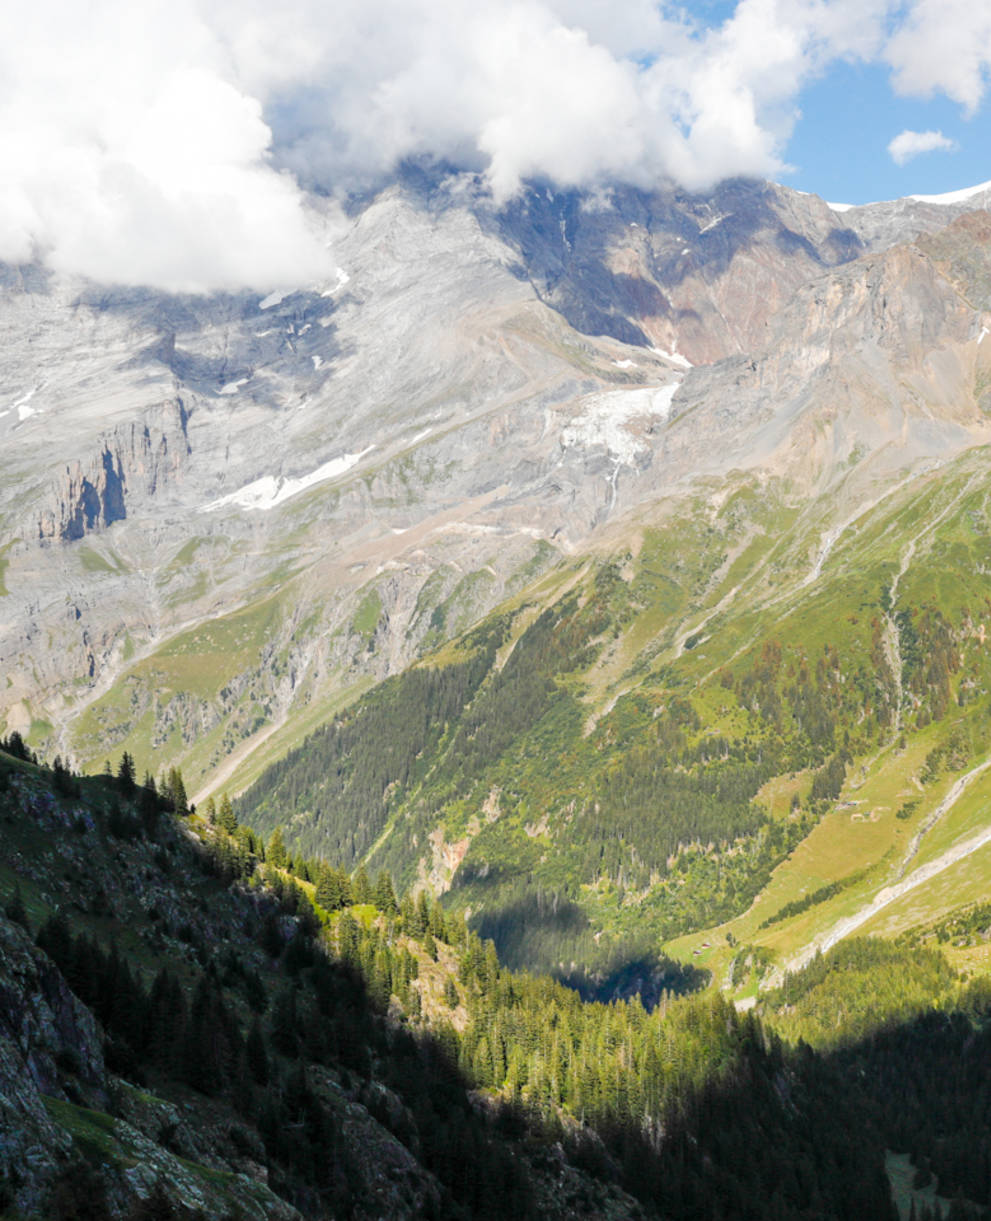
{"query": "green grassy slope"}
{"type": "Point", "coordinates": [741, 707]}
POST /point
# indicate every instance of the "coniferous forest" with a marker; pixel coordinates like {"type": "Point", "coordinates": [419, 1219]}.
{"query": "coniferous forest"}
{"type": "Point", "coordinates": [276, 997]}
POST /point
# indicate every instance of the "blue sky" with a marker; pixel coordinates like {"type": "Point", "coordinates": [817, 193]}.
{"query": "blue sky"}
{"type": "Point", "coordinates": [839, 145]}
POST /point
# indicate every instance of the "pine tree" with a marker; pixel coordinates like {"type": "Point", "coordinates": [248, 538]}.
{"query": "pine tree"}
{"type": "Point", "coordinates": [126, 774]}
{"type": "Point", "coordinates": [148, 804]}
{"type": "Point", "coordinates": [422, 914]}
{"type": "Point", "coordinates": [362, 886]}
{"type": "Point", "coordinates": [226, 817]}
{"type": "Point", "coordinates": [438, 925]}
{"type": "Point", "coordinates": [177, 791]}
{"type": "Point", "coordinates": [328, 888]}
{"type": "Point", "coordinates": [347, 937]}
{"type": "Point", "coordinates": [276, 851]}
{"type": "Point", "coordinates": [384, 896]}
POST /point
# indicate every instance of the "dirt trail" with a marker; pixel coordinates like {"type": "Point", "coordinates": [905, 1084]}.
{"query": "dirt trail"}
{"type": "Point", "coordinates": [951, 798]}
{"type": "Point", "coordinates": [233, 761]}
{"type": "Point", "coordinates": [924, 873]}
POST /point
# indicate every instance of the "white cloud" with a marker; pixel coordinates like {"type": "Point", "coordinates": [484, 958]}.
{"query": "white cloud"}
{"type": "Point", "coordinates": [175, 142]}
{"type": "Point", "coordinates": [943, 46]}
{"type": "Point", "coordinates": [579, 90]}
{"type": "Point", "coordinates": [130, 153]}
{"type": "Point", "coordinates": [909, 144]}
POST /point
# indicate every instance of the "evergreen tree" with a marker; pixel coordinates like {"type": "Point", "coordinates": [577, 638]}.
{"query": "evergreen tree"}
{"type": "Point", "coordinates": [63, 781]}
{"type": "Point", "coordinates": [361, 886]}
{"type": "Point", "coordinates": [276, 851]}
{"type": "Point", "coordinates": [422, 914]}
{"type": "Point", "coordinates": [226, 816]}
{"type": "Point", "coordinates": [126, 775]}
{"type": "Point", "coordinates": [328, 888]}
{"type": "Point", "coordinates": [384, 895]}
{"type": "Point", "coordinates": [148, 804]}
{"type": "Point", "coordinates": [438, 925]}
{"type": "Point", "coordinates": [177, 792]}
{"type": "Point", "coordinates": [16, 746]}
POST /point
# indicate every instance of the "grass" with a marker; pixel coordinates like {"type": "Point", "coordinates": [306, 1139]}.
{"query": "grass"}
{"type": "Point", "coordinates": [94, 561]}
{"type": "Point", "coordinates": [866, 837]}
{"type": "Point", "coordinates": [368, 615]}
{"type": "Point", "coordinates": [964, 882]}
{"type": "Point", "coordinates": [93, 1133]}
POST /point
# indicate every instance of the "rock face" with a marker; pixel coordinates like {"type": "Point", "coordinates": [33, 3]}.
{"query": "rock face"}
{"type": "Point", "coordinates": [223, 513]}
{"type": "Point", "coordinates": [133, 461]}
{"type": "Point", "coordinates": [41, 1023]}
{"type": "Point", "coordinates": [689, 274]}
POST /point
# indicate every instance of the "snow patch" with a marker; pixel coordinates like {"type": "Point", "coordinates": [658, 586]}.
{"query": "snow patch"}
{"type": "Point", "coordinates": [625, 364]}
{"type": "Point", "coordinates": [233, 387]}
{"type": "Point", "coordinates": [342, 279]}
{"type": "Point", "coordinates": [946, 199]}
{"type": "Point", "coordinates": [984, 331]}
{"type": "Point", "coordinates": [953, 197]}
{"type": "Point", "coordinates": [467, 527]}
{"type": "Point", "coordinates": [317, 361]}
{"type": "Point", "coordinates": [271, 490]}
{"type": "Point", "coordinates": [605, 420]}
{"type": "Point", "coordinates": [24, 412]}
{"type": "Point", "coordinates": [675, 357]}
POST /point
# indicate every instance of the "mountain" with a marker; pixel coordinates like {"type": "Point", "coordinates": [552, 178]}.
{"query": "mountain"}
{"type": "Point", "coordinates": [227, 516]}
{"type": "Point", "coordinates": [782, 644]}
{"type": "Point", "coordinates": [606, 575]}
{"type": "Point", "coordinates": [608, 473]}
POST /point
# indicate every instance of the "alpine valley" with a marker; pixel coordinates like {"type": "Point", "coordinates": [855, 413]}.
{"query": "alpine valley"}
{"type": "Point", "coordinates": [558, 652]}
